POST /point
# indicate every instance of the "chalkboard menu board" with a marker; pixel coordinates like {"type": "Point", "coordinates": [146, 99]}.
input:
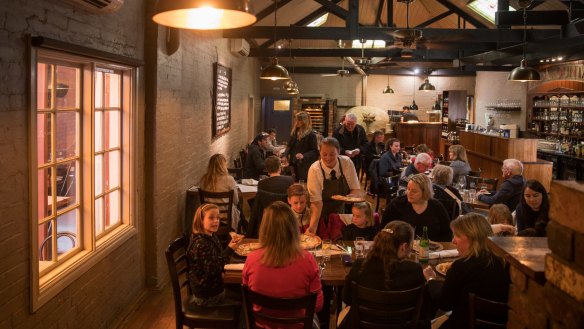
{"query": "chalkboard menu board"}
{"type": "Point", "coordinates": [221, 100]}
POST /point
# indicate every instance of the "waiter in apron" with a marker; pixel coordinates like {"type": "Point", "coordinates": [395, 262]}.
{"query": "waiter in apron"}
{"type": "Point", "coordinates": [333, 174]}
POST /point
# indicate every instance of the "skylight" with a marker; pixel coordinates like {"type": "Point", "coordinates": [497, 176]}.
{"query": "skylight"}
{"type": "Point", "coordinates": [319, 21]}
{"type": "Point", "coordinates": [486, 8]}
{"type": "Point", "coordinates": [368, 44]}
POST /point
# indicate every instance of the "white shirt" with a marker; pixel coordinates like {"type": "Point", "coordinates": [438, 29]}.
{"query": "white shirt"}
{"type": "Point", "coordinates": [315, 179]}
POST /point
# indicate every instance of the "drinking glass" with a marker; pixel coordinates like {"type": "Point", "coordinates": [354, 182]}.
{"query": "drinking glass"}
{"type": "Point", "coordinates": [461, 183]}
{"type": "Point", "coordinates": [466, 196]}
{"type": "Point", "coordinates": [326, 246]}
{"type": "Point", "coordinates": [359, 247]}
{"type": "Point", "coordinates": [472, 193]}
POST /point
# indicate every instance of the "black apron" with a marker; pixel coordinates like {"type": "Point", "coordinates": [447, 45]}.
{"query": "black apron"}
{"type": "Point", "coordinates": [331, 187]}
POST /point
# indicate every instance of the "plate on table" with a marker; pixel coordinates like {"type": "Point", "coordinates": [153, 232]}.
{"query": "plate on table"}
{"type": "Point", "coordinates": [245, 248]}
{"type": "Point", "coordinates": [347, 198]}
{"type": "Point", "coordinates": [309, 242]}
{"type": "Point", "coordinates": [436, 246]}
{"type": "Point", "coordinates": [443, 268]}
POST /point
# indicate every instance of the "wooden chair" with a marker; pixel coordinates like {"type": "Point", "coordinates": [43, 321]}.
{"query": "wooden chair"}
{"type": "Point", "coordinates": [410, 149]}
{"type": "Point", "coordinates": [237, 170]}
{"type": "Point", "coordinates": [390, 188]}
{"type": "Point", "coordinates": [491, 183]}
{"type": "Point", "coordinates": [473, 182]}
{"type": "Point", "coordinates": [385, 309]}
{"type": "Point", "coordinates": [475, 173]}
{"type": "Point", "coordinates": [487, 314]}
{"type": "Point", "coordinates": [186, 313]}
{"type": "Point", "coordinates": [223, 200]}
{"type": "Point", "coordinates": [250, 298]}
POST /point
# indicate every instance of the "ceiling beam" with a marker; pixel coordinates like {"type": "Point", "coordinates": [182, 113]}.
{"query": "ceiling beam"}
{"type": "Point", "coordinates": [548, 17]}
{"type": "Point", "coordinates": [429, 54]}
{"type": "Point", "coordinates": [390, 13]}
{"type": "Point", "coordinates": [435, 19]}
{"type": "Point", "coordinates": [462, 14]}
{"type": "Point", "coordinates": [333, 9]}
{"type": "Point", "coordinates": [352, 22]}
{"type": "Point", "coordinates": [270, 9]}
{"type": "Point", "coordinates": [382, 33]}
{"type": "Point", "coordinates": [379, 11]}
{"type": "Point", "coordinates": [314, 15]}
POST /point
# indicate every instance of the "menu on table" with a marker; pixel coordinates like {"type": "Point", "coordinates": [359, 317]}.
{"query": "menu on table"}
{"type": "Point", "coordinates": [221, 100]}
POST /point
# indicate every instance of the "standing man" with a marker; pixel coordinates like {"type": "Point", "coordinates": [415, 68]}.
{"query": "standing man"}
{"type": "Point", "coordinates": [352, 139]}
{"type": "Point", "coordinates": [333, 174]}
{"type": "Point", "coordinates": [256, 156]}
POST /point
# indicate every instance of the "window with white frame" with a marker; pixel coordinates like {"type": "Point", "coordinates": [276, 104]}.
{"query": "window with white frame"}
{"type": "Point", "coordinates": [81, 133]}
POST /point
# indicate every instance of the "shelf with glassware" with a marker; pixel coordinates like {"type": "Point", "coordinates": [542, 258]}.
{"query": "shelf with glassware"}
{"type": "Point", "coordinates": [558, 118]}
{"type": "Point", "coordinates": [453, 108]}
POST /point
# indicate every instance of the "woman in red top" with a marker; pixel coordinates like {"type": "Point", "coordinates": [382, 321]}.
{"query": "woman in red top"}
{"type": "Point", "coordinates": [281, 268]}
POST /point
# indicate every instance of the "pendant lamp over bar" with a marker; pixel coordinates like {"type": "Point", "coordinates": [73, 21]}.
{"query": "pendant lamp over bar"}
{"type": "Point", "coordinates": [427, 86]}
{"type": "Point", "coordinates": [524, 73]}
{"type": "Point", "coordinates": [204, 14]}
{"type": "Point", "coordinates": [274, 71]}
{"type": "Point", "coordinates": [388, 89]}
{"type": "Point", "coordinates": [414, 107]}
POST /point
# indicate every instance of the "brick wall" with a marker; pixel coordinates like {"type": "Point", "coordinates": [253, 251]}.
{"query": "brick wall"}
{"type": "Point", "coordinates": [98, 296]}
{"type": "Point", "coordinates": [559, 302]}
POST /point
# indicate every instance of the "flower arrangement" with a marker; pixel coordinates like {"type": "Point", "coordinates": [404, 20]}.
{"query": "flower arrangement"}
{"type": "Point", "coordinates": [368, 119]}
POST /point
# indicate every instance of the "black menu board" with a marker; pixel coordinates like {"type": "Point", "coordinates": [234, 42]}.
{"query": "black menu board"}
{"type": "Point", "coordinates": [221, 100]}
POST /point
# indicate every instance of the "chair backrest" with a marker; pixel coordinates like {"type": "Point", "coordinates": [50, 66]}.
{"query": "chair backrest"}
{"type": "Point", "coordinates": [484, 313]}
{"type": "Point", "coordinates": [223, 200]}
{"type": "Point", "coordinates": [261, 201]}
{"type": "Point", "coordinates": [178, 268]}
{"type": "Point", "coordinates": [473, 182]}
{"type": "Point", "coordinates": [476, 173]}
{"type": "Point", "coordinates": [452, 208]}
{"type": "Point", "coordinates": [385, 309]}
{"type": "Point", "coordinates": [268, 303]}
{"type": "Point", "coordinates": [491, 183]}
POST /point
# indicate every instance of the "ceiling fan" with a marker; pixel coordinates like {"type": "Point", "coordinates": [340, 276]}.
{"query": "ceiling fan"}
{"type": "Point", "coordinates": [366, 63]}
{"type": "Point", "coordinates": [340, 73]}
{"type": "Point", "coordinates": [407, 37]}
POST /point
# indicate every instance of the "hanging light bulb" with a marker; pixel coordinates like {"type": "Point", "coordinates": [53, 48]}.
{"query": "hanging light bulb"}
{"type": "Point", "coordinates": [388, 89]}
{"type": "Point", "coordinates": [274, 71]}
{"type": "Point", "coordinates": [414, 107]}
{"type": "Point", "coordinates": [204, 14]}
{"type": "Point", "coordinates": [524, 73]}
{"type": "Point", "coordinates": [291, 86]}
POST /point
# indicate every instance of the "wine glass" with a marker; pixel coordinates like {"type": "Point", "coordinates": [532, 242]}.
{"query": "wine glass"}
{"type": "Point", "coordinates": [461, 183]}
{"type": "Point", "coordinates": [359, 247]}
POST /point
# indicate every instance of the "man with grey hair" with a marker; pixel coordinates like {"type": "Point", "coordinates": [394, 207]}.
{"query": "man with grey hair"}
{"type": "Point", "coordinates": [510, 192]}
{"type": "Point", "coordinates": [352, 139]}
{"type": "Point", "coordinates": [422, 163]}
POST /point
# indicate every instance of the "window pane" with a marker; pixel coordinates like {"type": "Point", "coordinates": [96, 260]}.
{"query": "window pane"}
{"type": "Point", "coordinates": [44, 78]}
{"type": "Point", "coordinates": [98, 90]}
{"type": "Point", "coordinates": [112, 169]}
{"type": "Point", "coordinates": [112, 129]}
{"type": "Point", "coordinates": [45, 243]}
{"type": "Point", "coordinates": [98, 131]}
{"type": "Point", "coordinates": [44, 138]}
{"type": "Point", "coordinates": [66, 184]}
{"type": "Point", "coordinates": [44, 198]}
{"type": "Point", "coordinates": [99, 226]}
{"type": "Point", "coordinates": [112, 209]}
{"type": "Point", "coordinates": [98, 181]}
{"type": "Point", "coordinates": [67, 87]}
{"type": "Point", "coordinates": [66, 134]}
{"type": "Point", "coordinates": [112, 90]}
{"type": "Point", "coordinates": [67, 231]}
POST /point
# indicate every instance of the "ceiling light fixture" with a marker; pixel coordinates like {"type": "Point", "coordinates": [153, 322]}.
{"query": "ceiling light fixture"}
{"type": "Point", "coordinates": [204, 14]}
{"type": "Point", "coordinates": [427, 86]}
{"type": "Point", "coordinates": [524, 73]}
{"type": "Point", "coordinates": [388, 89]}
{"type": "Point", "coordinates": [414, 107]}
{"type": "Point", "coordinates": [274, 71]}
{"type": "Point", "coordinates": [291, 86]}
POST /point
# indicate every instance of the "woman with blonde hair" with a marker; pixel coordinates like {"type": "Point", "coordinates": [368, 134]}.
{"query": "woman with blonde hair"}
{"type": "Point", "coordinates": [419, 209]}
{"type": "Point", "coordinates": [478, 271]}
{"type": "Point", "coordinates": [217, 179]}
{"type": "Point", "coordinates": [207, 257]}
{"type": "Point", "coordinates": [458, 161]}
{"type": "Point", "coordinates": [281, 268]}
{"type": "Point", "coordinates": [302, 148]}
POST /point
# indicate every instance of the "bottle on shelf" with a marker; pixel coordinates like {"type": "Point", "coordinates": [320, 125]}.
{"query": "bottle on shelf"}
{"type": "Point", "coordinates": [424, 246]}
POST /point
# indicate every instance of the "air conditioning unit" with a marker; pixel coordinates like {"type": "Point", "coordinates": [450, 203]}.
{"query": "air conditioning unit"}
{"type": "Point", "coordinates": [96, 6]}
{"type": "Point", "coordinates": [240, 47]}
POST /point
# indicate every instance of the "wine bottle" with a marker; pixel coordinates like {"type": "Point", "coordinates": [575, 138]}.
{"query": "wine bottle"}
{"type": "Point", "coordinates": [424, 246]}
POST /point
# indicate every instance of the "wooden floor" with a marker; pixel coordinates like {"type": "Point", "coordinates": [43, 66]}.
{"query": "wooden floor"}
{"type": "Point", "coordinates": [155, 309]}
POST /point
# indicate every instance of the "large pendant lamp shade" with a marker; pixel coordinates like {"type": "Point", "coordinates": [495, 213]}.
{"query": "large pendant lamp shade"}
{"type": "Point", "coordinates": [204, 14]}
{"type": "Point", "coordinates": [275, 71]}
{"type": "Point", "coordinates": [524, 73]}
{"type": "Point", "coordinates": [427, 86]}
{"type": "Point", "coordinates": [388, 89]}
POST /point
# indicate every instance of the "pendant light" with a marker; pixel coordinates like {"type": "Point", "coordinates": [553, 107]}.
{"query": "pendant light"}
{"type": "Point", "coordinates": [291, 86]}
{"type": "Point", "coordinates": [275, 71]}
{"type": "Point", "coordinates": [388, 89]}
{"type": "Point", "coordinates": [204, 14]}
{"type": "Point", "coordinates": [427, 86]}
{"type": "Point", "coordinates": [414, 107]}
{"type": "Point", "coordinates": [524, 73]}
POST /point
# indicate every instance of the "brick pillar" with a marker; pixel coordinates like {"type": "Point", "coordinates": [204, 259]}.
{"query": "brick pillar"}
{"type": "Point", "coordinates": [558, 300]}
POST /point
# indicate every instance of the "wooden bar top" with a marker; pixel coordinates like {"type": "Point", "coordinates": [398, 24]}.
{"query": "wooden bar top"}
{"type": "Point", "coordinates": [527, 254]}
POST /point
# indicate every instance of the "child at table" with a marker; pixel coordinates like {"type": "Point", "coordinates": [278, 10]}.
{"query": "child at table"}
{"type": "Point", "coordinates": [298, 201]}
{"type": "Point", "coordinates": [363, 224]}
{"type": "Point", "coordinates": [501, 220]}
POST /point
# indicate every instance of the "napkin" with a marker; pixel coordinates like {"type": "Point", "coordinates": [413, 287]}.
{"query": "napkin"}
{"type": "Point", "coordinates": [444, 254]}
{"type": "Point", "coordinates": [234, 267]}
{"type": "Point", "coordinates": [249, 181]}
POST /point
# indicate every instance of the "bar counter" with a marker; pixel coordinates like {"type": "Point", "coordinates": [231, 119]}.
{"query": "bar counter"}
{"type": "Point", "coordinates": [488, 152]}
{"type": "Point", "coordinates": [526, 254]}
{"type": "Point", "coordinates": [415, 133]}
